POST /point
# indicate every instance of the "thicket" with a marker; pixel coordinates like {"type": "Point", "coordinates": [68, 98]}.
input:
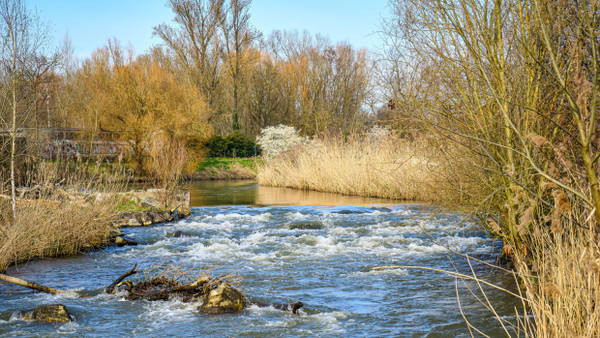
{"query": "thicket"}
{"type": "Point", "coordinates": [515, 84]}
{"type": "Point", "coordinates": [232, 145]}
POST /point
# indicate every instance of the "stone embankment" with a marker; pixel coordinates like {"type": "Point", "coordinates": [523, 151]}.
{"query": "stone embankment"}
{"type": "Point", "coordinates": [144, 208]}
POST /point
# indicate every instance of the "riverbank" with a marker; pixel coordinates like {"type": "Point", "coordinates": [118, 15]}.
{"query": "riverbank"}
{"type": "Point", "coordinates": [226, 169]}
{"type": "Point", "coordinates": [63, 223]}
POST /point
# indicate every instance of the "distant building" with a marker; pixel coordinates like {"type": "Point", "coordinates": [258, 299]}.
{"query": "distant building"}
{"type": "Point", "coordinates": [52, 143]}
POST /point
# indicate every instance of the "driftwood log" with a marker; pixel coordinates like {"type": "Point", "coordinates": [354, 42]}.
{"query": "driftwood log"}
{"type": "Point", "coordinates": [38, 287]}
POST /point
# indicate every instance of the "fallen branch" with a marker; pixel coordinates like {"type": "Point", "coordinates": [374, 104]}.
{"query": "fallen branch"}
{"type": "Point", "coordinates": [111, 287]}
{"type": "Point", "coordinates": [38, 287]}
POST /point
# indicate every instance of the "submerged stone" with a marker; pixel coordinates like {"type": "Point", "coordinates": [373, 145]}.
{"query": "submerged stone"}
{"type": "Point", "coordinates": [55, 313]}
{"type": "Point", "coordinates": [349, 212]}
{"type": "Point", "coordinates": [223, 299]}
{"type": "Point", "coordinates": [289, 307]}
{"type": "Point", "coordinates": [306, 225]}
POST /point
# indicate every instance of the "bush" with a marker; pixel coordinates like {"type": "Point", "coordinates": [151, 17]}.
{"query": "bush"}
{"type": "Point", "coordinates": [276, 140]}
{"type": "Point", "coordinates": [233, 145]}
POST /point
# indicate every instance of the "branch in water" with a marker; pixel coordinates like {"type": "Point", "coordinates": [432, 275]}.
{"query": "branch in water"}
{"type": "Point", "coordinates": [38, 287]}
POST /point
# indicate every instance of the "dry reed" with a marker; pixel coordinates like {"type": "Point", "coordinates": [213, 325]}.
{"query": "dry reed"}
{"type": "Point", "coordinates": [385, 167]}
{"type": "Point", "coordinates": [51, 223]}
{"type": "Point", "coordinates": [234, 171]}
{"type": "Point", "coordinates": [564, 297]}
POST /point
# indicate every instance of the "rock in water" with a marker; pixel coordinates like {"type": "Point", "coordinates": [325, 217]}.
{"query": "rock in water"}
{"type": "Point", "coordinates": [124, 240]}
{"type": "Point", "coordinates": [289, 307]}
{"type": "Point", "coordinates": [308, 225]}
{"type": "Point", "coordinates": [55, 313]}
{"type": "Point", "coordinates": [160, 216]}
{"type": "Point", "coordinates": [223, 299]}
{"type": "Point", "coordinates": [144, 218]}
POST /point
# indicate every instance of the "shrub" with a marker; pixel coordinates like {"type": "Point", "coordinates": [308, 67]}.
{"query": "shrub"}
{"type": "Point", "coordinates": [276, 140]}
{"type": "Point", "coordinates": [233, 145]}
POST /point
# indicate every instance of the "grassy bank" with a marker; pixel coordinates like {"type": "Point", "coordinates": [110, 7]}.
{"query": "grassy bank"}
{"type": "Point", "coordinates": [226, 168]}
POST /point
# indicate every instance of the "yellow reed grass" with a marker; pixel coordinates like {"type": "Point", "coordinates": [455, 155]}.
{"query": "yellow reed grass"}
{"type": "Point", "coordinates": [51, 222]}
{"type": "Point", "coordinates": [388, 168]}
{"type": "Point", "coordinates": [564, 297]}
{"type": "Point", "coordinates": [46, 228]}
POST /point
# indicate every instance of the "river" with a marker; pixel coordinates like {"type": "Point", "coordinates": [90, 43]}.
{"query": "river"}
{"type": "Point", "coordinates": [287, 246]}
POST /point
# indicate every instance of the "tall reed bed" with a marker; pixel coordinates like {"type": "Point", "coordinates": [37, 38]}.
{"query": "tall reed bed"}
{"type": "Point", "coordinates": [386, 167]}
{"type": "Point", "coordinates": [563, 298]}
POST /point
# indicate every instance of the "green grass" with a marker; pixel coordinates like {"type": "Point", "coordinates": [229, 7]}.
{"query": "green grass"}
{"type": "Point", "coordinates": [226, 163]}
{"type": "Point", "coordinates": [131, 206]}
{"type": "Point", "coordinates": [227, 168]}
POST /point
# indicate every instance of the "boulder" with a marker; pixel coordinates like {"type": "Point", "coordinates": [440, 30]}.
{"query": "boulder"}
{"type": "Point", "coordinates": [185, 212]}
{"type": "Point", "coordinates": [144, 218]}
{"type": "Point", "coordinates": [150, 202]}
{"type": "Point", "coordinates": [160, 216]}
{"type": "Point", "coordinates": [223, 299]}
{"type": "Point", "coordinates": [123, 240]}
{"type": "Point", "coordinates": [55, 313]}
{"type": "Point", "coordinates": [133, 222]}
{"type": "Point", "coordinates": [114, 232]}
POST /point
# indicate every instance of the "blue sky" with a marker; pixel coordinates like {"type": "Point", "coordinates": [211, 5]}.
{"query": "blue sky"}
{"type": "Point", "coordinates": [90, 23]}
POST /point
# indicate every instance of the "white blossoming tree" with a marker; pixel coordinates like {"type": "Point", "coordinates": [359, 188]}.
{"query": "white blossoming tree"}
{"type": "Point", "coordinates": [275, 140]}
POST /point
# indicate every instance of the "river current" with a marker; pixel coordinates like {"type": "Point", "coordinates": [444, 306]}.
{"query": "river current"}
{"type": "Point", "coordinates": [287, 246]}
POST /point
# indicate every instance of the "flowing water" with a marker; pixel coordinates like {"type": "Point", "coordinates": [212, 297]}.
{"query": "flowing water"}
{"type": "Point", "coordinates": [287, 246]}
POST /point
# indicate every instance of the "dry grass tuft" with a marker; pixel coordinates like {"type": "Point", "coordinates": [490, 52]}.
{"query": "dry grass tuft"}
{"type": "Point", "coordinates": [47, 228]}
{"type": "Point", "coordinates": [50, 221]}
{"type": "Point", "coordinates": [564, 297]}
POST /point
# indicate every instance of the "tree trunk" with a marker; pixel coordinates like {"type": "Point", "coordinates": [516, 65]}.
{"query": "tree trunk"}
{"type": "Point", "coordinates": [38, 287]}
{"type": "Point", "coordinates": [13, 146]}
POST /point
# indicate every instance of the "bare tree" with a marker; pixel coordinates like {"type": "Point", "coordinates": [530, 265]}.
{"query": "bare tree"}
{"type": "Point", "coordinates": [22, 64]}
{"type": "Point", "coordinates": [238, 37]}
{"type": "Point", "coordinates": [195, 41]}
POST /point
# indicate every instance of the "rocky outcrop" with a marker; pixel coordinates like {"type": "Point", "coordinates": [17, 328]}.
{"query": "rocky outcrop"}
{"type": "Point", "coordinates": [222, 299]}
{"type": "Point", "coordinates": [55, 313]}
{"type": "Point", "coordinates": [148, 217]}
